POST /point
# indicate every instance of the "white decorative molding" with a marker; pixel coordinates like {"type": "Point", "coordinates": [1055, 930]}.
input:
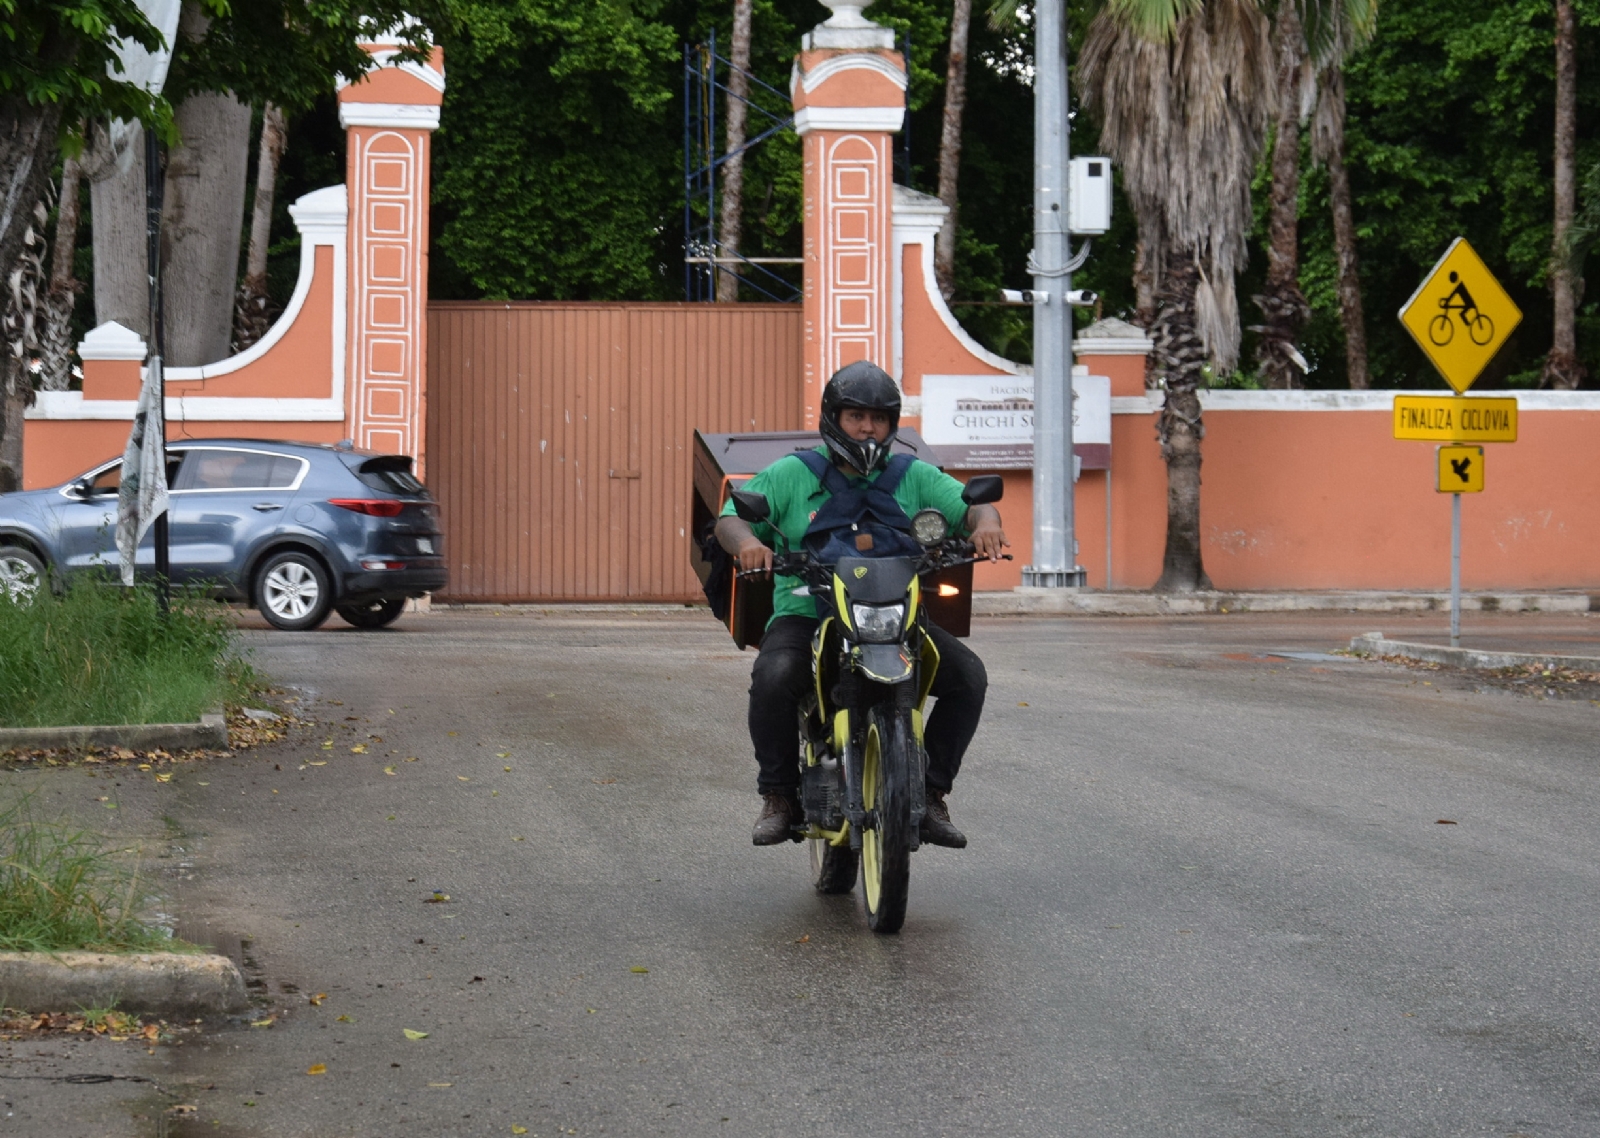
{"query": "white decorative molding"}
{"type": "Point", "coordinates": [916, 221]}
{"type": "Point", "coordinates": [60, 405]}
{"type": "Point", "coordinates": [1146, 404]}
{"type": "Point", "coordinates": [322, 217]}
{"type": "Point", "coordinates": [859, 61]}
{"type": "Point", "coordinates": [402, 116]}
{"type": "Point", "coordinates": [808, 119]}
{"type": "Point", "coordinates": [847, 28]}
{"type": "Point", "coordinates": [111, 341]}
{"type": "Point", "coordinates": [384, 57]}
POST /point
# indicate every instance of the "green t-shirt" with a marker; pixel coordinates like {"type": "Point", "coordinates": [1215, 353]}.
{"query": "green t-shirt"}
{"type": "Point", "coordinates": [795, 495]}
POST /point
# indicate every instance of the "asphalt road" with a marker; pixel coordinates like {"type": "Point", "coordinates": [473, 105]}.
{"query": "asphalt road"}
{"type": "Point", "coordinates": [1210, 891]}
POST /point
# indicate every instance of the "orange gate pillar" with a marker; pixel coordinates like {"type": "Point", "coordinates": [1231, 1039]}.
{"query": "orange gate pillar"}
{"type": "Point", "coordinates": [389, 116]}
{"type": "Point", "coordinates": [848, 88]}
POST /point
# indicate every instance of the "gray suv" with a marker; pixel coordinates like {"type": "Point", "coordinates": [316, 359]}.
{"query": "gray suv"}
{"type": "Point", "coordinates": [296, 529]}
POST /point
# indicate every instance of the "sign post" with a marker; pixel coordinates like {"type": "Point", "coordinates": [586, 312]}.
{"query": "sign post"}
{"type": "Point", "coordinates": [1459, 316]}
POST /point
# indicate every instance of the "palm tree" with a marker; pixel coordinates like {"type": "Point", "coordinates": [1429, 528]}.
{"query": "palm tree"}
{"type": "Point", "coordinates": [730, 229]}
{"type": "Point", "coordinates": [1183, 89]}
{"type": "Point", "coordinates": [1562, 369]}
{"type": "Point", "coordinates": [955, 104]}
{"type": "Point", "coordinates": [1327, 146]}
{"type": "Point", "coordinates": [1311, 39]}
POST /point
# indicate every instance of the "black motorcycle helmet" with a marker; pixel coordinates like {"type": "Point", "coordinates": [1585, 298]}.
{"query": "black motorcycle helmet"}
{"type": "Point", "coordinates": [865, 385]}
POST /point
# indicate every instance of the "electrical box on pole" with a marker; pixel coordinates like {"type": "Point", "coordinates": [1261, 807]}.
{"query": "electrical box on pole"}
{"type": "Point", "coordinates": [1089, 196]}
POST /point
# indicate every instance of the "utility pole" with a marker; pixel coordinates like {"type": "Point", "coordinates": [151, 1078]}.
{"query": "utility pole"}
{"type": "Point", "coordinates": [160, 532]}
{"type": "Point", "coordinates": [1055, 547]}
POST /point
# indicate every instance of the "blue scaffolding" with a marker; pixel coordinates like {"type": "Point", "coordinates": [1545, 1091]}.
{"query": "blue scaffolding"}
{"type": "Point", "coordinates": [705, 74]}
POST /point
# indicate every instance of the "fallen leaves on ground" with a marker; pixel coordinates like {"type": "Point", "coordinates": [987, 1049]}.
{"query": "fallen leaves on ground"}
{"type": "Point", "coordinates": [317, 1069]}
{"type": "Point", "coordinates": [359, 749]}
{"type": "Point", "coordinates": [437, 898]}
{"type": "Point", "coordinates": [639, 968]}
{"type": "Point", "coordinates": [119, 1027]}
{"type": "Point", "coordinates": [316, 1001]}
{"type": "Point", "coordinates": [414, 1035]}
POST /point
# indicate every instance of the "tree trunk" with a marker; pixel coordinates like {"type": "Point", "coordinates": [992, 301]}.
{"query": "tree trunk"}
{"type": "Point", "coordinates": [1562, 369]}
{"type": "Point", "coordinates": [1149, 267]}
{"type": "Point", "coordinates": [1282, 304]}
{"type": "Point", "coordinates": [121, 258]}
{"type": "Point", "coordinates": [202, 219]}
{"type": "Point", "coordinates": [955, 105]}
{"type": "Point", "coordinates": [29, 137]}
{"type": "Point", "coordinates": [55, 334]}
{"type": "Point", "coordinates": [13, 400]}
{"type": "Point", "coordinates": [1181, 356]}
{"type": "Point", "coordinates": [254, 313]}
{"type": "Point", "coordinates": [1327, 139]}
{"type": "Point", "coordinates": [24, 292]}
{"type": "Point", "coordinates": [730, 229]}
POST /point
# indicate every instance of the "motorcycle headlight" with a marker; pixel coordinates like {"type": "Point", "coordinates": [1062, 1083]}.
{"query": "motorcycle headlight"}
{"type": "Point", "coordinates": [877, 624]}
{"type": "Point", "coordinates": [929, 527]}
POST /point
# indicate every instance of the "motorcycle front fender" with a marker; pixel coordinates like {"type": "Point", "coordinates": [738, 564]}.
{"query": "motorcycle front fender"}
{"type": "Point", "coordinates": [886, 663]}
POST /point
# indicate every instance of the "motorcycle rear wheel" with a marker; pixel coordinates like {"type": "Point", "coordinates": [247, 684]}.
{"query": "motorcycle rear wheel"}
{"type": "Point", "coordinates": [886, 766]}
{"type": "Point", "coordinates": [833, 868]}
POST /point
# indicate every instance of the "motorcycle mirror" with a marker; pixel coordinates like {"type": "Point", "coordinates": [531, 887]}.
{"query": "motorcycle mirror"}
{"type": "Point", "coordinates": [750, 506]}
{"type": "Point", "coordinates": [983, 489]}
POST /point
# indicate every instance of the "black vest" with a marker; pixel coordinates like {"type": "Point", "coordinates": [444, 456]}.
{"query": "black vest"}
{"type": "Point", "coordinates": [862, 518]}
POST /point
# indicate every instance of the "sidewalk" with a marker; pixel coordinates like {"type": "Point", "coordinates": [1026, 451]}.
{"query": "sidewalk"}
{"type": "Point", "coordinates": [1065, 602]}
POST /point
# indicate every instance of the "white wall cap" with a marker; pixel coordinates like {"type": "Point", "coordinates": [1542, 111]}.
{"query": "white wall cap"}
{"type": "Point", "coordinates": [808, 119]}
{"type": "Point", "coordinates": [1234, 399]}
{"type": "Point", "coordinates": [917, 215]}
{"type": "Point", "coordinates": [403, 116]}
{"type": "Point", "coordinates": [1112, 337]}
{"type": "Point", "coordinates": [111, 341]}
{"type": "Point", "coordinates": [322, 215]}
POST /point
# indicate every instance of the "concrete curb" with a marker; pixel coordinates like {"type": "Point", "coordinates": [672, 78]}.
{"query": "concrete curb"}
{"type": "Point", "coordinates": [1064, 602]}
{"type": "Point", "coordinates": [1374, 644]}
{"type": "Point", "coordinates": [168, 984]}
{"type": "Point", "coordinates": [211, 733]}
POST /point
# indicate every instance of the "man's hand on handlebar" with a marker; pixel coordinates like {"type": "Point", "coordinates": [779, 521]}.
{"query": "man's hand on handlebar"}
{"type": "Point", "coordinates": [987, 538]}
{"type": "Point", "coordinates": [753, 557]}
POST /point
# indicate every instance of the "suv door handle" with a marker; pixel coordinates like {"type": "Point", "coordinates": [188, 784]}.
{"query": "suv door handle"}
{"type": "Point", "coordinates": [266, 507]}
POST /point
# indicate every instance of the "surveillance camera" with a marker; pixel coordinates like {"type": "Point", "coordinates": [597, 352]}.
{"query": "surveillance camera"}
{"type": "Point", "coordinates": [1024, 296]}
{"type": "Point", "coordinates": [1082, 298]}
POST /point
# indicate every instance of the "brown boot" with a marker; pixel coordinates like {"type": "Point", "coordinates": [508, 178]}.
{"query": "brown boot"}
{"type": "Point", "coordinates": [937, 829]}
{"type": "Point", "coordinates": [780, 813]}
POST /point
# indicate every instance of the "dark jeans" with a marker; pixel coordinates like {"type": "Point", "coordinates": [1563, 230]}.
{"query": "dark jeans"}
{"type": "Point", "coordinates": [782, 676]}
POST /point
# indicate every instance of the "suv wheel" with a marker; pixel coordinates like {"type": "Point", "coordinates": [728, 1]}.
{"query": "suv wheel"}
{"type": "Point", "coordinates": [373, 614]}
{"type": "Point", "coordinates": [21, 573]}
{"type": "Point", "coordinates": [292, 591]}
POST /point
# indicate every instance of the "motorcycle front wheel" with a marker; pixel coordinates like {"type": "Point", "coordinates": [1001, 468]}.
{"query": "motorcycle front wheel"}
{"type": "Point", "coordinates": [886, 766]}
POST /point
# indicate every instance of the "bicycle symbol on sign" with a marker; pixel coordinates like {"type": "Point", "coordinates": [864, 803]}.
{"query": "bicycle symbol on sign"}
{"type": "Point", "coordinates": [1479, 326]}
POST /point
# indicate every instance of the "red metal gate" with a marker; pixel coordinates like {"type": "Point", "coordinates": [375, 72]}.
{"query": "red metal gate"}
{"type": "Point", "coordinates": [559, 437]}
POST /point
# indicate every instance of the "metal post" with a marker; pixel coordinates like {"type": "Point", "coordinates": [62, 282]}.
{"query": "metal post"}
{"type": "Point", "coordinates": [1455, 570]}
{"type": "Point", "coordinates": [1054, 545]}
{"type": "Point", "coordinates": [158, 341]}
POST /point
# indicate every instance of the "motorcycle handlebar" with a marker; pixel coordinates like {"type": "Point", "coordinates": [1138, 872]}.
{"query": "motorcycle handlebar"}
{"type": "Point", "coordinates": [794, 564]}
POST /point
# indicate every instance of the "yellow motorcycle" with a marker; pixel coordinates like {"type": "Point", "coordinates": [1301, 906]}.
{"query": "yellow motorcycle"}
{"type": "Point", "coordinates": [860, 732]}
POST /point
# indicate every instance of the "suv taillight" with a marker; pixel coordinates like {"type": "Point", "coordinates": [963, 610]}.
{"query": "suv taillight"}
{"type": "Point", "coordinates": [377, 507]}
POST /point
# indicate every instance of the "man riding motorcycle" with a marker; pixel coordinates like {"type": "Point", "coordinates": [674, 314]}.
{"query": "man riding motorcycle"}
{"type": "Point", "coordinates": [860, 416]}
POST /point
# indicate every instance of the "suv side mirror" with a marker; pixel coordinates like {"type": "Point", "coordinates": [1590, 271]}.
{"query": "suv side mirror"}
{"type": "Point", "coordinates": [82, 488]}
{"type": "Point", "coordinates": [983, 489]}
{"type": "Point", "coordinates": [751, 507]}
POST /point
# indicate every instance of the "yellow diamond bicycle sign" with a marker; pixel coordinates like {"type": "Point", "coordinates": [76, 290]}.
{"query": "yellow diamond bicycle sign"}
{"type": "Point", "coordinates": [1459, 316]}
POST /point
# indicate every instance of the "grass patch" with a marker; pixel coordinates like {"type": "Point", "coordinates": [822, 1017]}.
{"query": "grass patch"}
{"type": "Point", "coordinates": [99, 653]}
{"type": "Point", "coordinates": [62, 888]}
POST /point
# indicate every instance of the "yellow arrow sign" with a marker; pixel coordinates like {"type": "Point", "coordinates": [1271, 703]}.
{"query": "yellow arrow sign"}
{"type": "Point", "coordinates": [1455, 419]}
{"type": "Point", "coordinates": [1460, 470]}
{"type": "Point", "coordinates": [1459, 316]}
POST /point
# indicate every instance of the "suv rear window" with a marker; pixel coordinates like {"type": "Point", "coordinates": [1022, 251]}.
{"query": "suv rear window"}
{"type": "Point", "coordinates": [391, 472]}
{"type": "Point", "coordinates": [208, 469]}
